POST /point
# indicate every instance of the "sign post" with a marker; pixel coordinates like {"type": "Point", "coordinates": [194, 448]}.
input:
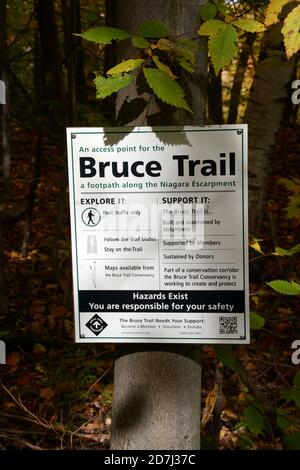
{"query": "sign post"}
{"type": "Point", "coordinates": [159, 234]}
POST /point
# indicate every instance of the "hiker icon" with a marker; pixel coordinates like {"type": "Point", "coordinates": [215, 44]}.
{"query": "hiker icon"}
{"type": "Point", "coordinates": [91, 217]}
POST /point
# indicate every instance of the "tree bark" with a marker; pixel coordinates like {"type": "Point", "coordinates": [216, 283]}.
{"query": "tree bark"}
{"type": "Point", "coordinates": [264, 115]}
{"type": "Point", "coordinates": [238, 79]}
{"type": "Point", "coordinates": [73, 57]}
{"type": "Point", "coordinates": [6, 158]}
{"type": "Point", "coordinates": [50, 61]}
{"type": "Point", "coordinates": [215, 99]}
{"type": "Point", "coordinates": [157, 393]}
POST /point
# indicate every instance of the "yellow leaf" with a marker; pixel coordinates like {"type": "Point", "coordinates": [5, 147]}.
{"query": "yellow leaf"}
{"type": "Point", "coordinates": [209, 406]}
{"type": "Point", "coordinates": [273, 10]}
{"type": "Point", "coordinates": [165, 45]}
{"type": "Point", "coordinates": [38, 348]}
{"type": "Point", "coordinates": [125, 66]}
{"type": "Point", "coordinates": [148, 51]}
{"type": "Point", "coordinates": [253, 242]}
{"type": "Point", "coordinates": [163, 67]}
{"type": "Point", "coordinates": [291, 32]}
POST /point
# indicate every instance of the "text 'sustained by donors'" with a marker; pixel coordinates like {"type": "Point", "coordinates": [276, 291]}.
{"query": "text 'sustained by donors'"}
{"type": "Point", "coordinates": [159, 234]}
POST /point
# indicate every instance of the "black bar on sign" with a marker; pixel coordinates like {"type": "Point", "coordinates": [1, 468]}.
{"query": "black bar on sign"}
{"type": "Point", "coordinates": [120, 301]}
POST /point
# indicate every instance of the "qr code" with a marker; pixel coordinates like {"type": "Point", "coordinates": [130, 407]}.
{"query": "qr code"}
{"type": "Point", "coordinates": [228, 325]}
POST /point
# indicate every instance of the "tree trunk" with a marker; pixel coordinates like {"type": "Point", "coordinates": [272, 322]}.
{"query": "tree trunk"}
{"type": "Point", "coordinates": [264, 115]}
{"type": "Point", "coordinates": [238, 79]}
{"type": "Point", "coordinates": [215, 99]}
{"type": "Point", "coordinates": [6, 163]}
{"type": "Point", "coordinates": [157, 393]}
{"type": "Point", "coordinates": [3, 280]}
{"type": "Point", "coordinates": [73, 57]}
{"type": "Point", "coordinates": [50, 61]}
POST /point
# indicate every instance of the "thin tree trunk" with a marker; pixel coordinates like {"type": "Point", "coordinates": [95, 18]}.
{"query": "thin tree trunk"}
{"type": "Point", "coordinates": [50, 62]}
{"type": "Point", "coordinates": [3, 280]}
{"type": "Point", "coordinates": [238, 79]}
{"type": "Point", "coordinates": [38, 81]}
{"type": "Point", "coordinates": [73, 57]}
{"type": "Point", "coordinates": [6, 158]}
{"type": "Point", "coordinates": [59, 221]}
{"type": "Point", "coordinates": [215, 99]}
{"type": "Point", "coordinates": [264, 115]}
{"type": "Point", "coordinates": [157, 393]}
{"type": "Point", "coordinates": [32, 192]}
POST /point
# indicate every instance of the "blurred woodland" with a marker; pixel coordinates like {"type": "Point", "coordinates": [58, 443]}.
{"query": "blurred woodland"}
{"type": "Point", "coordinates": [56, 394]}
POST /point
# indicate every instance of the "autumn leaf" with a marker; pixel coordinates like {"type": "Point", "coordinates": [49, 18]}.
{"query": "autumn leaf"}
{"type": "Point", "coordinates": [273, 10]}
{"type": "Point", "coordinates": [254, 243]}
{"type": "Point", "coordinates": [38, 348]}
{"type": "Point", "coordinates": [291, 32]}
{"type": "Point", "coordinates": [13, 359]}
{"type": "Point", "coordinates": [209, 406]}
{"type": "Point", "coordinates": [47, 393]}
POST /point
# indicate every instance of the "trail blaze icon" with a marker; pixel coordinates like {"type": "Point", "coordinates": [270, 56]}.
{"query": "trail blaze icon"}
{"type": "Point", "coordinates": [96, 325]}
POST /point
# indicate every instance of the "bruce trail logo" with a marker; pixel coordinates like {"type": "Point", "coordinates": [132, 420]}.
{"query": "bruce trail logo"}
{"type": "Point", "coordinates": [96, 325]}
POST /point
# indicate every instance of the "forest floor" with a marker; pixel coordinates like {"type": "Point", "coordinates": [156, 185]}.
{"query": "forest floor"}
{"type": "Point", "coordinates": [57, 394]}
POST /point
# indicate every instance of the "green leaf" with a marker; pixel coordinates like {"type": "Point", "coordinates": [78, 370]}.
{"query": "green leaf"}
{"type": "Point", "coordinates": [282, 422]}
{"type": "Point", "coordinates": [208, 11]}
{"type": "Point", "coordinates": [256, 321]}
{"type": "Point", "coordinates": [212, 27]}
{"type": "Point", "coordinates": [165, 88]}
{"type": "Point", "coordinates": [249, 25]}
{"type": "Point", "coordinates": [140, 42]}
{"type": "Point", "coordinates": [253, 420]}
{"type": "Point", "coordinates": [125, 66]}
{"type": "Point", "coordinates": [163, 67]}
{"type": "Point", "coordinates": [153, 29]}
{"type": "Point", "coordinates": [223, 9]}
{"type": "Point", "coordinates": [293, 207]}
{"type": "Point", "coordinates": [186, 65]}
{"type": "Point", "coordinates": [292, 442]}
{"type": "Point", "coordinates": [106, 86]}
{"type": "Point", "coordinates": [285, 287]}
{"type": "Point", "coordinates": [296, 380]}
{"type": "Point", "coordinates": [186, 54]}
{"type": "Point", "coordinates": [287, 394]}
{"type": "Point", "coordinates": [291, 33]}
{"type": "Point", "coordinates": [296, 397]}
{"type": "Point", "coordinates": [273, 10]}
{"type": "Point", "coordinates": [227, 357]}
{"type": "Point", "coordinates": [283, 252]}
{"type": "Point", "coordinates": [187, 43]}
{"type": "Point", "coordinates": [292, 184]}
{"type": "Point", "coordinates": [223, 47]}
{"type": "Point", "coordinates": [104, 35]}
